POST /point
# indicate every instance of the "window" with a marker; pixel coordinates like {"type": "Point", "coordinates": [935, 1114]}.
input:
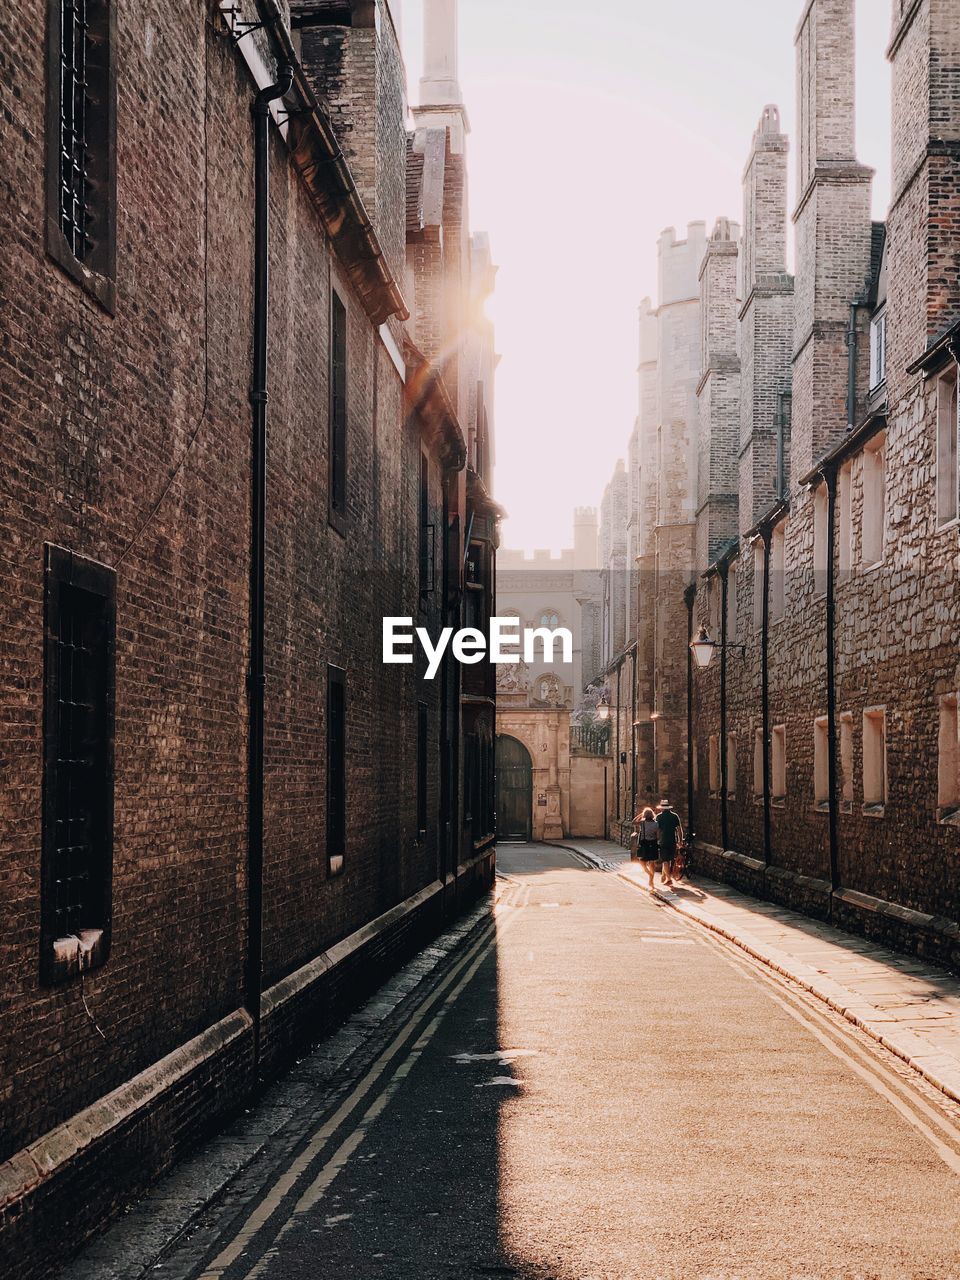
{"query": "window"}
{"type": "Point", "coordinates": [426, 538]}
{"type": "Point", "coordinates": [713, 761]}
{"type": "Point", "coordinates": [758, 558]}
{"type": "Point", "coordinates": [874, 501]}
{"type": "Point", "coordinates": [948, 771]}
{"type": "Point", "coordinates": [422, 725]}
{"type": "Point", "coordinates": [78, 763]}
{"type": "Point", "coordinates": [731, 764]}
{"type": "Point", "coordinates": [336, 768]}
{"type": "Point", "coordinates": [846, 758]}
{"type": "Point", "coordinates": [947, 448]}
{"type": "Point", "coordinates": [758, 787]}
{"type": "Point", "coordinates": [733, 624]}
{"type": "Point", "coordinates": [778, 571]}
{"type": "Point", "coordinates": [874, 759]}
{"type": "Point", "coordinates": [821, 763]}
{"type": "Point", "coordinates": [714, 598]}
{"type": "Point", "coordinates": [845, 503]}
{"type": "Point", "coordinates": [338, 413]}
{"type": "Point", "coordinates": [778, 762]}
{"type": "Point", "coordinates": [81, 144]}
{"type": "Point", "coordinates": [549, 618]}
{"type": "Point", "coordinates": [821, 548]}
{"type": "Point", "coordinates": [878, 349]}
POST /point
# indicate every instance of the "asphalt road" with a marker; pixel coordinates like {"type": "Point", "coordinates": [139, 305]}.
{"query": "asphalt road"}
{"type": "Point", "coordinates": [593, 1089]}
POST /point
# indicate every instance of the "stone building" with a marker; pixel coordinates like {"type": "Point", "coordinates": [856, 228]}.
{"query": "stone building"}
{"type": "Point", "coordinates": [231, 444]}
{"type": "Point", "coordinates": [824, 765]}
{"type": "Point", "coordinates": [551, 770]}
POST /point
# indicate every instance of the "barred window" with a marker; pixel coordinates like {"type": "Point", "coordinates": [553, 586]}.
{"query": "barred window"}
{"type": "Point", "coordinates": [336, 768]}
{"type": "Point", "coordinates": [78, 763]}
{"type": "Point", "coordinates": [422, 761]}
{"type": "Point", "coordinates": [81, 136]}
{"type": "Point", "coordinates": [338, 413]}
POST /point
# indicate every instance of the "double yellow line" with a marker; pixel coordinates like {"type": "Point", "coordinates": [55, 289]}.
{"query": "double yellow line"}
{"type": "Point", "coordinates": [259, 1219]}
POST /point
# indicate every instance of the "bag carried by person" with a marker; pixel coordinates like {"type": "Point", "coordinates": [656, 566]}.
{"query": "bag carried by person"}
{"type": "Point", "coordinates": [649, 829]}
{"type": "Point", "coordinates": [634, 843]}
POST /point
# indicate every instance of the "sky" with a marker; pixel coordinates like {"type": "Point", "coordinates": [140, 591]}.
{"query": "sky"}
{"type": "Point", "coordinates": [594, 127]}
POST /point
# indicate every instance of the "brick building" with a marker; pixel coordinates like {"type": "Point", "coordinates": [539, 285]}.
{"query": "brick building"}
{"type": "Point", "coordinates": [825, 763]}
{"type": "Point", "coordinates": [231, 446]}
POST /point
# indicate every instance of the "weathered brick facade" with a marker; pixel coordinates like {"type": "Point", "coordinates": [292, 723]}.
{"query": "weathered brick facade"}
{"type": "Point", "coordinates": [127, 440]}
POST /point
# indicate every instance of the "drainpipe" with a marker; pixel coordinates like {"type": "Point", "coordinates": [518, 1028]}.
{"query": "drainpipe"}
{"type": "Point", "coordinates": [765, 695]}
{"type": "Point", "coordinates": [253, 978]}
{"type": "Point", "coordinates": [830, 478]}
{"type": "Point", "coordinates": [724, 829]}
{"type": "Point", "coordinates": [689, 598]}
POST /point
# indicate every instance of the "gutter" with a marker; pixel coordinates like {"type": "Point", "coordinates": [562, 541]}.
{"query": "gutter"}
{"type": "Point", "coordinates": [318, 159]}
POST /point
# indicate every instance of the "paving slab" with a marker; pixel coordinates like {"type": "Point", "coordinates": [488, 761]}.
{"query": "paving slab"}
{"type": "Point", "coordinates": [908, 1005]}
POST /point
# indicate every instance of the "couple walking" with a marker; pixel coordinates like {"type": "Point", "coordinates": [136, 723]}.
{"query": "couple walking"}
{"type": "Point", "coordinates": [658, 837]}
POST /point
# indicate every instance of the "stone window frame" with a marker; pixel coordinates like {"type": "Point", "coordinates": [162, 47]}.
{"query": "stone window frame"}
{"type": "Point", "coordinates": [846, 760]}
{"type": "Point", "coordinates": [778, 765]}
{"type": "Point", "coordinates": [731, 765]}
{"type": "Point", "coordinates": [778, 571]}
{"type": "Point", "coordinates": [845, 518]}
{"type": "Point", "coordinates": [873, 491]}
{"type": "Point", "coordinates": [759, 554]}
{"type": "Point", "coordinates": [821, 548]}
{"type": "Point", "coordinates": [947, 423]}
{"type": "Point", "coordinates": [948, 759]}
{"type": "Point", "coordinates": [874, 771]}
{"type": "Point", "coordinates": [821, 764]}
{"type": "Point", "coordinates": [713, 764]}
{"type": "Point", "coordinates": [733, 609]}
{"type": "Point", "coordinates": [95, 270]}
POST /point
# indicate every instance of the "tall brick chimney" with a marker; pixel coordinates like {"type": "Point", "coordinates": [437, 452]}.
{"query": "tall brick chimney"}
{"type": "Point", "coordinates": [766, 317]}
{"type": "Point", "coordinates": [924, 225]}
{"type": "Point", "coordinates": [350, 53]}
{"type": "Point", "coordinates": [718, 393]}
{"type": "Point", "coordinates": [441, 100]}
{"type": "Point", "coordinates": [833, 227]}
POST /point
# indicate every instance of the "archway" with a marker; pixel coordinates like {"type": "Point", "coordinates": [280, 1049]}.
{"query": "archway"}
{"type": "Point", "coordinates": [514, 790]}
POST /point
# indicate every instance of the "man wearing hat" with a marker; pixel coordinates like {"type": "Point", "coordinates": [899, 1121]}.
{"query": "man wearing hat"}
{"type": "Point", "coordinates": [671, 833]}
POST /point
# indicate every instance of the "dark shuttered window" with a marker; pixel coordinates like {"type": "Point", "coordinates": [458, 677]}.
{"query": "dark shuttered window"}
{"type": "Point", "coordinates": [81, 142]}
{"type": "Point", "coordinates": [78, 763]}
{"type": "Point", "coordinates": [422, 739]}
{"type": "Point", "coordinates": [338, 412]}
{"type": "Point", "coordinates": [336, 767]}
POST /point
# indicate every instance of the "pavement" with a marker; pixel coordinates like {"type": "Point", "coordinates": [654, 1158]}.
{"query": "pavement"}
{"type": "Point", "coordinates": [910, 1007]}
{"type": "Point", "coordinates": [584, 1084]}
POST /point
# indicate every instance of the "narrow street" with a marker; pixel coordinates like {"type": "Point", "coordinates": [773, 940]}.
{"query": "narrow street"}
{"type": "Point", "coordinates": [590, 1087]}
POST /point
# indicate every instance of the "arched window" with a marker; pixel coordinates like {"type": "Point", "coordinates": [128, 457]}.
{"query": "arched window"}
{"type": "Point", "coordinates": [549, 618]}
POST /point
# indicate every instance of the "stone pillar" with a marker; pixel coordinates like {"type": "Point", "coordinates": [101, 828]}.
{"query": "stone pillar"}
{"type": "Point", "coordinates": [553, 819]}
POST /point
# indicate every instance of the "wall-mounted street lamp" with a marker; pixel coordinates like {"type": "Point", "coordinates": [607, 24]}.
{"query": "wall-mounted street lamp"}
{"type": "Point", "coordinates": [703, 648]}
{"type": "Point", "coordinates": [603, 708]}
